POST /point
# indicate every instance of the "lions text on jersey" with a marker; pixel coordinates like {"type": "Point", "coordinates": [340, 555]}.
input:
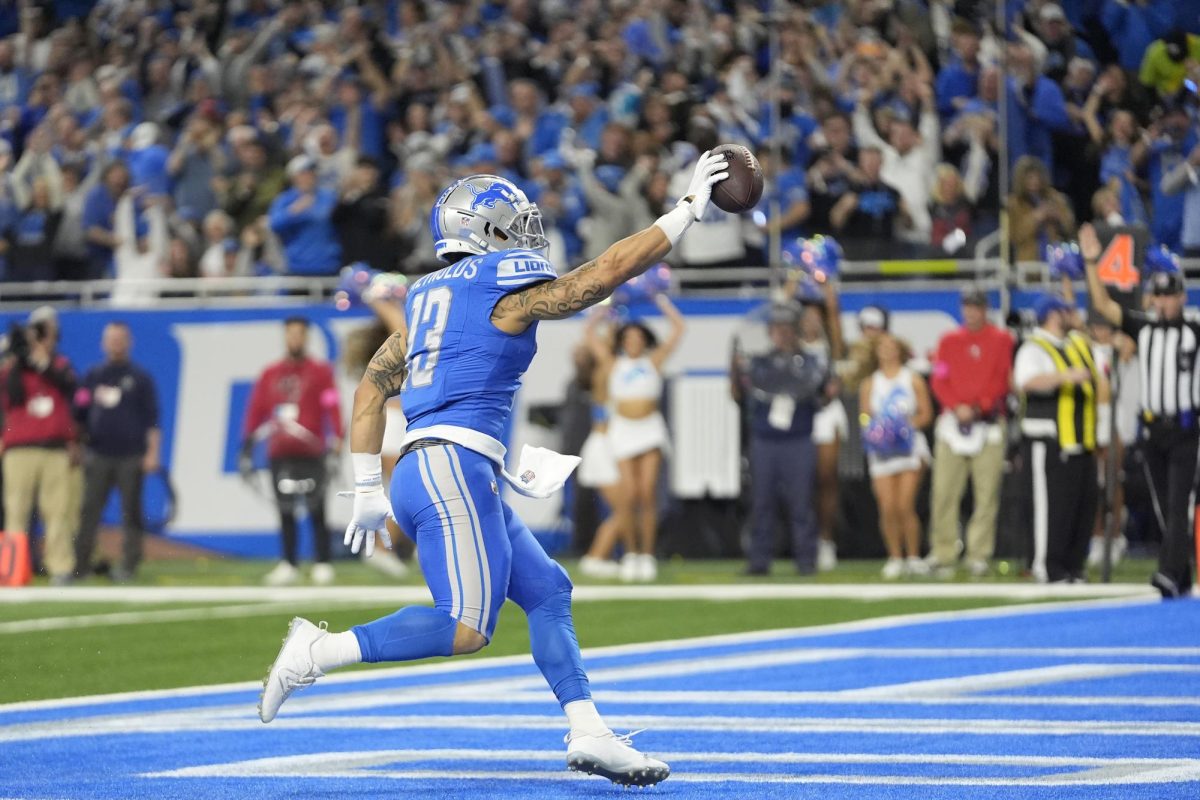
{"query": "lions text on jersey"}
{"type": "Point", "coordinates": [463, 371]}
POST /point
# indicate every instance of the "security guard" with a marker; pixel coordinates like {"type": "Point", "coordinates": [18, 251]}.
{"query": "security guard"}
{"type": "Point", "coordinates": [1066, 405]}
{"type": "Point", "coordinates": [781, 391]}
{"type": "Point", "coordinates": [1167, 348]}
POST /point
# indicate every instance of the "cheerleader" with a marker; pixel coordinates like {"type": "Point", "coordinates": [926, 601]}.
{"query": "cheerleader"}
{"type": "Point", "coordinates": [598, 467]}
{"type": "Point", "coordinates": [895, 407]}
{"type": "Point", "coordinates": [637, 431]}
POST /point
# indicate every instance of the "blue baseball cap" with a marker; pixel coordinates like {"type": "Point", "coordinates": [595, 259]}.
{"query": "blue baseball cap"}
{"type": "Point", "coordinates": [1047, 304]}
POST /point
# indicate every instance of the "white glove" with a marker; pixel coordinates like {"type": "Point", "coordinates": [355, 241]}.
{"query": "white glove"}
{"type": "Point", "coordinates": [371, 507]}
{"type": "Point", "coordinates": [709, 170]}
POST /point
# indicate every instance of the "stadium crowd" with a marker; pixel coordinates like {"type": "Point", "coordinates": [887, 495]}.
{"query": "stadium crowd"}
{"type": "Point", "coordinates": [146, 139]}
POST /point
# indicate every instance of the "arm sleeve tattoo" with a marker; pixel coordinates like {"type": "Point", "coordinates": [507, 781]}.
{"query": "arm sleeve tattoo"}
{"type": "Point", "coordinates": [387, 369]}
{"type": "Point", "coordinates": [559, 298]}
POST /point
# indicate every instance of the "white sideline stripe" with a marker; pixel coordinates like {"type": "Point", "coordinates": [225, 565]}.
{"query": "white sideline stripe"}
{"type": "Point", "coordinates": [450, 668]}
{"type": "Point", "coordinates": [357, 759]}
{"type": "Point", "coordinates": [763, 698]}
{"type": "Point", "coordinates": [164, 615]}
{"type": "Point", "coordinates": [176, 722]}
{"type": "Point", "coordinates": [403, 595]}
{"type": "Point", "coordinates": [1165, 776]}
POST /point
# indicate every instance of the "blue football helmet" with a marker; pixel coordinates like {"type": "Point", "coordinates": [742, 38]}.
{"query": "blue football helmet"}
{"type": "Point", "coordinates": [482, 214]}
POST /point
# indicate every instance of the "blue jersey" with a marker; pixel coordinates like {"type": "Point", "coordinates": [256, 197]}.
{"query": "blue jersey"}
{"type": "Point", "coordinates": [463, 370]}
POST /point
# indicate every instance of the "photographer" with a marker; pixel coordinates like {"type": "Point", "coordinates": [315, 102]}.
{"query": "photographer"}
{"type": "Point", "coordinates": [36, 385]}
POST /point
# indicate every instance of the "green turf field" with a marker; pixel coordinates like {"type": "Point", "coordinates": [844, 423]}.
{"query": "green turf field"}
{"type": "Point", "coordinates": [244, 572]}
{"type": "Point", "coordinates": [65, 647]}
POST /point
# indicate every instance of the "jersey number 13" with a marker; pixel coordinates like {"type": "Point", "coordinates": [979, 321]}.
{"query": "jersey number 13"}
{"type": "Point", "coordinates": [430, 313]}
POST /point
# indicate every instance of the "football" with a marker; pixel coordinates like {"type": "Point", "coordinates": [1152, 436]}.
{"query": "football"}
{"type": "Point", "coordinates": [742, 190]}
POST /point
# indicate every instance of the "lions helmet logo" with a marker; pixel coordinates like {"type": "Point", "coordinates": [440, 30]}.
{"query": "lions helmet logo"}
{"type": "Point", "coordinates": [495, 192]}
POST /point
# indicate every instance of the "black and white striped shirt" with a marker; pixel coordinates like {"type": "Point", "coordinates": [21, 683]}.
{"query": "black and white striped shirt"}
{"type": "Point", "coordinates": [1167, 354]}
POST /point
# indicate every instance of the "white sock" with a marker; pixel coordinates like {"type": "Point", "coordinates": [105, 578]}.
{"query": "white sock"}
{"type": "Point", "coordinates": [584, 719]}
{"type": "Point", "coordinates": [335, 650]}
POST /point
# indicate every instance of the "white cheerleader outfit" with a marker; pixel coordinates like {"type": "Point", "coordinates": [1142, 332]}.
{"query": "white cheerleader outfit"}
{"type": "Point", "coordinates": [882, 391]}
{"type": "Point", "coordinates": [636, 379]}
{"type": "Point", "coordinates": [830, 423]}
{"type": "Point", "coordinates": [598, 467]}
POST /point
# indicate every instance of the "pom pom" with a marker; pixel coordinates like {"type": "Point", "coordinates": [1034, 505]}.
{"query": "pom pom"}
{"type": "Point", "coordinates": [1064, 260]}
{"type": "Point", "coordinates": [1161, 259]}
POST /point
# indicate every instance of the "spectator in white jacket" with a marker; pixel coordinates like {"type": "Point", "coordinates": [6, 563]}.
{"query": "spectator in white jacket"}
{"type": "Point", "coordinates": [910, 156]}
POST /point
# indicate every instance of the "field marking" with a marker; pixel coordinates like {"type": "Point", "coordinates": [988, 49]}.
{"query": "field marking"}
{"type": "Point", "coordinates": [765, 698]}
{"type": "Point", "coordinates": [195, 722]}
{"type": "Point", "coordinates": [119, 618]}
{"type": "Point", "coordinates": [1100, 772]}
{"type": "Point", "coordinates": [403, 595]}
{"type": "Point", "coordinates": [454, 667]}
{"type": "Point", "coordinates": [509, 688]}
{"type": "Point", "coordinates": [1012, 679]}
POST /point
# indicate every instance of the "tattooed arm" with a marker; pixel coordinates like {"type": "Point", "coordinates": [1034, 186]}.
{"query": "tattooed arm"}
{"type": "Point", "coordinates": [383, 379]}
{"type": "Point", "coordinates": [628, 258]}
{"type": "Point", "coordinates": [584, 286]}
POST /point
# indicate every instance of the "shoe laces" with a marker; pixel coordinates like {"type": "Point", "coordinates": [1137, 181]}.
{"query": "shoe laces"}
{"type": "Point", "coordinates": [623, 738]}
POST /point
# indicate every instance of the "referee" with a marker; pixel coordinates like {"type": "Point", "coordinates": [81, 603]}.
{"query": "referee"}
{"type": "Point", "coordinates": [1167, 347]}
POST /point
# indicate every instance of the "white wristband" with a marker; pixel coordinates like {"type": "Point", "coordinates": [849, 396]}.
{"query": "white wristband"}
{"type": "Point", "coordinates": [368, 471]}
{"type": "Point", "coordinates": [675, 222]}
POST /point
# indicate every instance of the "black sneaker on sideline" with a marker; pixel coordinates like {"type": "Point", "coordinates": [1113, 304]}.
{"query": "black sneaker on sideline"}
{"type": "Point", "coordinates": [1168, 587]}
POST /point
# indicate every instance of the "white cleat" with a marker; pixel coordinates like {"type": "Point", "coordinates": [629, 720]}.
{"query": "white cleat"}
{"type": "Point", "coordinates": [602, 568]}
{"type": "Point", "coordinates": [916, 567]}
{"type": "Point", "coordinates": [826, 556]}
{"type": "Point", "coordinates": [293, 669]}
{"type": "Point", "coordinates": [613, 757]}
{"type": "Point", "coordinates": [893, 569]}
{"type": "Point", "coordinates": [647, 570]}
{"type": "Point", "coordinates": [284, 574]}
{"type": "Point", "coordinates": [322, 574]}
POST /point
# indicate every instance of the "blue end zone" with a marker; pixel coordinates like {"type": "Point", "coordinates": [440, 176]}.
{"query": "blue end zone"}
{"type": "Point", "coordinates": [1080, 703]}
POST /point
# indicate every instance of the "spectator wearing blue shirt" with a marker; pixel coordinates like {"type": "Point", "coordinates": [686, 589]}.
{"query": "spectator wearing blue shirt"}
{"type": "Point", "coordinates": [147, 161]}
{"type": "Point", "coordinates": [1133, 25]}
{"type": "Point", "coordinates": [362, 108]}
{"type": "Point", "coordinates": [588, 115]}
{"type": "Point", "coordinates": [785, 187]}
{"type": "Point", "coordinates": [98, 226]}
{"type": "Point", "coordinates": [1176, 139]}
{"type": "Point", "coordinates": [1124, 153]}
{"type": "Point", "coordinates": [541, 128]}
{"type": "Point", "coordinates": [1184, 180]}
{"type": "Point", "coordinates": [1036, 109]}
{"type": "Point", "coordinates": [15, 82]}
{"type": "Point", "coordinates": [562, 203]}
{"type": "Point", "coordinates": [302, 218]}
{"type": "Point", "coordinates": [958, 81]}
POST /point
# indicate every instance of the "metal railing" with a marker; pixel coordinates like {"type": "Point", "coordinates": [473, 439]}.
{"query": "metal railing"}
{"type": "Point", "coordinates": [169, 292]}
{"type": "Point", "coordinates": [744, 282]}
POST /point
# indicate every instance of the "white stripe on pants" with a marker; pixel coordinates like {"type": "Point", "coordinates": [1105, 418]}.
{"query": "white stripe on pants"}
{"type": "Point", "coordinates": [1041, 506]}
{"type": "Point", "coordinates": [470, 583]}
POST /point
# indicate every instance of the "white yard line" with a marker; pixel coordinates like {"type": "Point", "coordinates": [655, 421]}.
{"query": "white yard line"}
{"type": "Point", "coordinates": [1081, 771]}
{"type": "Point", "coordinates": [163, 615]}
{"type": "Point", "coordinates": [199, 721]}
{"type": "Point", "coordinates": [401, 595]}
{"type": "Point", "coordinates": [454, 667]}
